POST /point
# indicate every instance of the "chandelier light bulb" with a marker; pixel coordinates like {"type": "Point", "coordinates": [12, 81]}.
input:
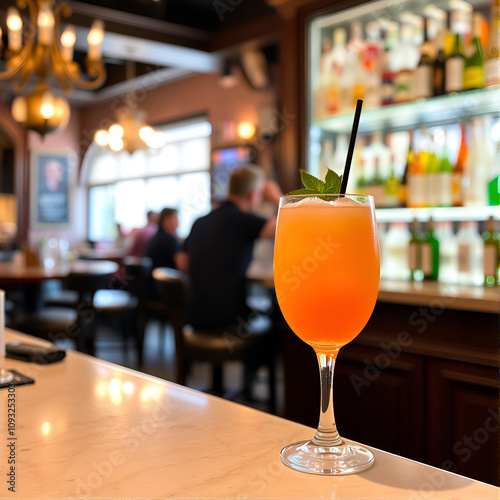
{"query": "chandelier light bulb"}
{"type": "Point", "coordinates": [19, 109]}
{"type": "Point", "coordinates": [116, 143]}
{"type": "Point", "coordinates": [15, 26]}
{"type": "Point", "coordinates": [14, 21]}
{"type": "Point", "coordinates": [68, 38]}
{"type": "Point", "coordinates": [95, 39]}
{"type": "Point", "coordinates": [45, 24]}
{"type": "Point", "coordinates": [116, 131]}
{"type": "Point", "coordinates": [146, 133]}
{"type": "Point", "coordinates": [47, 108]}
{"type": "Point", "coordinates": [101, 137]}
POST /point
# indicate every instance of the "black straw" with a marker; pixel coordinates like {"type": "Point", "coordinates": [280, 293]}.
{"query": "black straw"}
{"type": "Point", "coordinates": [350, 151]}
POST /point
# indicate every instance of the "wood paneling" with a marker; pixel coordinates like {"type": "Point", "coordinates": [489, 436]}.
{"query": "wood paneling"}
{"type": "Point", "coordinates": [463, 419]}
{"type": "Point", "coordinates": [379, 399]}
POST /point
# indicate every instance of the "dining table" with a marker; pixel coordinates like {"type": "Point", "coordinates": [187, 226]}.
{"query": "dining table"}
{"type": "Point", "coordinates": [87, 428]}
{"type": "Point", "coordinates": [30, 277]}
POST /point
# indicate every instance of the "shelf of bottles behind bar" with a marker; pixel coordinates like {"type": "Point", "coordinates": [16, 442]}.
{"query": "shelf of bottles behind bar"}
{"type": "Point", "coordinates": [387, 62]}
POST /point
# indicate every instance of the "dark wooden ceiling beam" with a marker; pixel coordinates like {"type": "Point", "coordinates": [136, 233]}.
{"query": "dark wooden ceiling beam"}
{"type": "Point", "coordinates": [141, 26]}
{"type": "Point", "coordinates": [262, 31]}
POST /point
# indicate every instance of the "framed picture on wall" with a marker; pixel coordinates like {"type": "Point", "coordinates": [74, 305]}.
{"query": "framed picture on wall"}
{"type": "Point", "coordinates": [50, 188]}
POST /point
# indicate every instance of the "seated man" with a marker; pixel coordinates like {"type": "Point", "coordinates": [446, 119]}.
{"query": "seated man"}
{"type": "Point", "coordinates": [163, 247]}
{"type": "Point", "coordinates": [219, 249]}
{"type": "Point", "coordinates": [140, 237]}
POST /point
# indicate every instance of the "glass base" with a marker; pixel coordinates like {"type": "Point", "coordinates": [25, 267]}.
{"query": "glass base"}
{"type": "Point", "coordinates": [305, 456]}
{"type": "Point", "coordinates": [6, 376]}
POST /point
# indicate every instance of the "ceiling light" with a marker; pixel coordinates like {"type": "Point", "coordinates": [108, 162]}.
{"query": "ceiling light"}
{"type": "Point", "coordinates": [41, 52]}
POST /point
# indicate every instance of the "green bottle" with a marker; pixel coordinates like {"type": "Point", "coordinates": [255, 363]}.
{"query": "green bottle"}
{"type": "Point", "coordinates": [414, 253]}
{"type": "Point", "coordinates": [491, 256]}
{"type": "Point", "coordinates": [430, 253]}
{"type": "Point", "coordinates": [445, 179]}
{"type": "Point", "coordinates": [474, 64]}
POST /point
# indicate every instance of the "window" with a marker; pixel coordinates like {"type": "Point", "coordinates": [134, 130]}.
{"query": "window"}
{"type": "Point", "coordinates": [123, 187]}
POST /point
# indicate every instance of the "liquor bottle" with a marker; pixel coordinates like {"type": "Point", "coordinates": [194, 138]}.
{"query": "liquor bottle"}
{"type": "Point", "coordinates": [387, 89]}
{"type": "Point", "coordinates": [438, 72]}
{"type": "Point", "coordinates": [494, 178]}
{"type": "Point", "coordinates": [444, 177]}
{"type": "Point", "coordinates": [492, 58]}
{"type": "Point", "coordinates": [403, 189]}
{"type": "Point", "coordinates": [406, 59]}
{"type": "Point", "coordinates": [474, 64]}
{"type": "Point", "coordinates": [454, 67]}
{"type": "Point", "coordinates": [372, 61]}
{"type": "Point", "coordinates": [447, 252]}
{"type": "Point", "coordinates": [416, 181]}
{"type": "Point", "coordinates": [391, 187]}
{"type": "Point", "coordinates": [422, 77]}
{"type": "Point", "coordinates": [430, 253]}
{"type": "Point", "coordinates": [321, 87]}
{"type": "Point", "coordinates": [470, 255]}
{"type": "Point", "coordinates": [458, 171]}
{"type": "Point", "coordinates": [356, 46]}
{"type": "Point", "coordinates": [396, 251]}
{"type": "Point", "coordinates": [476, 166]}
{"type": "Point", "coordinates": [352, 79]}
{"type": "Point", "coordinates": [336, 63]}
{"type": "Point", "coordinates": [376, 187]}
{"type": "Point", "coordinates": [432, 181]}
{"type": "Point", "coordinates": [491, 254]}
{"type": "Point", "coordinates": [415, 253]}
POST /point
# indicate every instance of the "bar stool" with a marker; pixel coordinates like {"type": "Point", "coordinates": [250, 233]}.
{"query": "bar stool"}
{"type": "Point", "coordinates": [254, 347]}
{"type": "Point", "coordinates": [138, 272]}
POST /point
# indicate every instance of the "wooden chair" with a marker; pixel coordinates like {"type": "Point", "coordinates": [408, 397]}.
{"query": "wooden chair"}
{"type": "Point", "coordinates": [254, 345]}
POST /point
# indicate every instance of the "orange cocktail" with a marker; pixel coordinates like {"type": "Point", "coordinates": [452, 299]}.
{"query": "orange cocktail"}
{"type": "Point", "coordinates": [326, 268]}
{"type": "Point", "coordinates": [326, 274]}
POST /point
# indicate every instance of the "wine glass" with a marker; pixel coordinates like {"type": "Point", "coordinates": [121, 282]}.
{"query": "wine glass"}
{"type": "Point", "coordinates": [326, 274]}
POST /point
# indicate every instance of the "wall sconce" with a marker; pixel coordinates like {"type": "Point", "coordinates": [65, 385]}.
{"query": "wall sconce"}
{"type": "Point", "coordinates": [245, 130]}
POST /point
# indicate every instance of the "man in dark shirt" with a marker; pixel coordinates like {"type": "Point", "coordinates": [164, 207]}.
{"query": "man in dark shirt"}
{"type": "Point", "coordinates": [163, 247]}
{"type": "Point", "coordinates": [219, 249]}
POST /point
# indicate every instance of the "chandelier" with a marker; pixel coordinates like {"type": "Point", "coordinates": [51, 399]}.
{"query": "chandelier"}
{"type": "Point", "coordinates": [37, 47]}
{"type": "Point", "coordinates": [130, 133]}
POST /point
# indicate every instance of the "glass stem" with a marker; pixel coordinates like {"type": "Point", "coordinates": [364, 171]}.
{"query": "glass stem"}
{"type": "Point", "coordinates": [327, 434]}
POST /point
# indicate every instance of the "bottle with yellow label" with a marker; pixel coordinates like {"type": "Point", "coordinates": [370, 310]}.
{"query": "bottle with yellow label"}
{"type": "Point", "coordinates": [474, 64]}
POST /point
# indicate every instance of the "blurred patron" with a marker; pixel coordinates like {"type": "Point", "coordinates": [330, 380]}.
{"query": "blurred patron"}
{"type": "Point", "coordinates": [140, 237]}
{"type": "Point", "coordinates": [163, 247]}
{"type": "Point", "coordinates": [218, 250]}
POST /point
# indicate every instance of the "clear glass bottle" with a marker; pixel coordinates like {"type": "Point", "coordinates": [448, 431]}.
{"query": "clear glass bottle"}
{"type": "Point", "coordinates": [447, 252]}
{"type": "Point", "coordinates": [415, 252]}
{"type": "Point", "coordinates": [470, 255]}
{"type": "Point", "coordinates": [396, 252]}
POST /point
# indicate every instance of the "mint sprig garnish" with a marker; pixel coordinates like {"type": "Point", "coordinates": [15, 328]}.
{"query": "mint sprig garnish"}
{"type": "Point", "coordinates": [313, 185]}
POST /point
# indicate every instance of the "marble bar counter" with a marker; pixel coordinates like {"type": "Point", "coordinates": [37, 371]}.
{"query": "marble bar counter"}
{"type": "Point", "coordinates": [91, 429]}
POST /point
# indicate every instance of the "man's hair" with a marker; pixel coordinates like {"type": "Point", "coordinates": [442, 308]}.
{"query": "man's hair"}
{"type": "Point", "coordinates": [245, 179]}
{"type": "Point", "coordinates": [166, 212]}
